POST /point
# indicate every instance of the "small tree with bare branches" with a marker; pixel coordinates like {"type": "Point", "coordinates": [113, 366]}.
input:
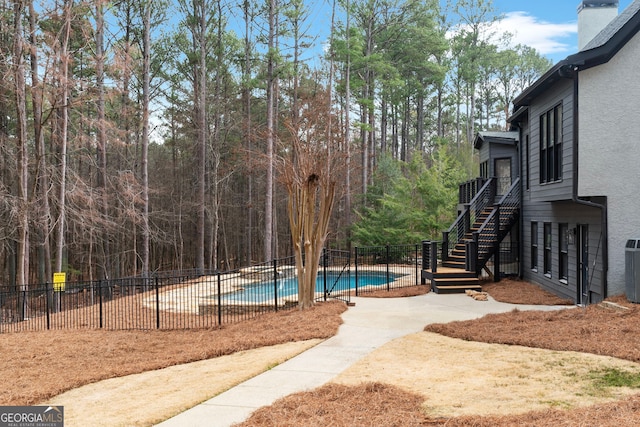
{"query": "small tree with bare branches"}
{"type": "Point", "coordinates": [310, 170]}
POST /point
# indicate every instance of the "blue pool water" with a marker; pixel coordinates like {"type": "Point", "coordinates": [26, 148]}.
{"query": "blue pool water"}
{"type": "Point", "coordinates": [335, 282]}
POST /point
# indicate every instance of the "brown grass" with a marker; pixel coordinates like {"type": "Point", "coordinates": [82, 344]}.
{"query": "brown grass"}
{"type": "Point", "coordinates": [38, 365]}
{"type": "Point", "coordinates": [369, 404]}
{"type": "Point", "coordinates": [410, 291]}
{"type": "Point", "coordinates": [595, 329]}
{"type": "Point", "coordinates": [515, 291]}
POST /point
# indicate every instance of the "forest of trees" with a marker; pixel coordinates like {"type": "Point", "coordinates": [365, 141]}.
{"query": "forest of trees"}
{"type": "Point", "coordinates": [139, 135]}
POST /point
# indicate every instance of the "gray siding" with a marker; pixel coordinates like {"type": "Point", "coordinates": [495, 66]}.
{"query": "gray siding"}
{"type": "Point", "coordinates": [573, 215]}
{"type": "Point", "coordinates": [562, 92]}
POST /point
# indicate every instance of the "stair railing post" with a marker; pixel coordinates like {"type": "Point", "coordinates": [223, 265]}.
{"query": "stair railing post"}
{"type": "Point", "coordinates": [445, 246]}
{"type": "Point", "coordinates": [467, 221]}
{"type": "Point", "coordinates": [471, 254]}
{"type": "Point", "coordinates": [425, 258]}
{"type": "Point", "coordinates": [434, 257]}
{"type": "Point", "coordinates": [493, 189]}
{"type": "Point", "coordinates": [496, 255]}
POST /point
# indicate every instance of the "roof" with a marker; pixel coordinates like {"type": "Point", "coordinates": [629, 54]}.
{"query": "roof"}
{"type": "Point", "coordinates": [497, 137]}
{"type": "Point", "coordinates": [598, 51]}
{"type": "Point", "coordinates": [614, 27]}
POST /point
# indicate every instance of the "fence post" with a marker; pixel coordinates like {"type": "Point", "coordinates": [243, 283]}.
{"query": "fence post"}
{"type": "Point", "coordinates": [417, 248]}
{"type": "Point", "coordinates": [157, 301]}
{"type": "Point", "coordinates": [275, 285]}
{"type": "Point", "coordinates": [324, 272]}
{"type": "Point", "coordinates": [388, 256]}
{"type": "Point", "coordinates": [356, 264]}
{"type": "Point", "coordinates": [100, 299]}
{"type": "Point", "coordinates": [46, 290]}
{"type": "Point", "coordinates": [219, 280]}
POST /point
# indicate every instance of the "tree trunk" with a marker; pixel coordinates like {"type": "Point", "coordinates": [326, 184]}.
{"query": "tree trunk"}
{"type": "Point", "coordinates": [271, 87]}
{"type": "Point", "coordinates": [347, 128]}
{"type": "Point", "coordinates": [201, 105]}
{"type": "Point", "coordinates": [146, 77]}
{"type": "Point", "coordinates": [247, 132]}
{"type": "Point", "coordinates": [63, 133]}
{"type": "Point", "coordinates": [22, 258]}
{"type": "Point", "coordinates": [42, 172]}
{"type": "Point", "coordinates": [102, 136]}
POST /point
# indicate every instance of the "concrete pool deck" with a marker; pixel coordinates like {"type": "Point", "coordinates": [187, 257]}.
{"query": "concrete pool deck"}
{"type": "Point", "coordinates": [193, 295]}
{"type": "Point", "coordinates": [368, 325]}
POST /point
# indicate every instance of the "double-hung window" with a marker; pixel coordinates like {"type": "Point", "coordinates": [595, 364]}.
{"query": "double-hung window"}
{"type": "Point", "coordinates": [534, 246]}
{"type": "Point", "coordinates": [547, 249]}
{"type": "Point", "coordinates": [563, 252]}
{"type": "Point", "coordinates": [551, 145]}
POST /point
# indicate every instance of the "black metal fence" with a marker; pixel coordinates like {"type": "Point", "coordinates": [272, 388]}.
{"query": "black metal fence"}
{"type": "Point", "coordinates": [392, 266]}
{"type": "Point", "coordinates": [198, 299]}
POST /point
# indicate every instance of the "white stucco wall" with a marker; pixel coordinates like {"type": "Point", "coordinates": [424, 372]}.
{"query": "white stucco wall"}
{"type": "Point", "coordinates": [609, 149]}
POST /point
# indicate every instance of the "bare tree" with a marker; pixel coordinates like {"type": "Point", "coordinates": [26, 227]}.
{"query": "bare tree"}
{"type": "Point", "coordinates": [23, 154]}
{"type": "Point", "coordinates": [102, 133]}
{"type": "Point", "coordinates": [63, 131]}
{"type": "Point", "coordinates": [200, 37]}
{"type": "Point", "coordinates": [271, 102]}
{"type": "Point", "coordinates": [44, 220]}
{"type": "Point", "coordinates": [310, 171]}
{"type": "Point", "coordinates": [146, 77]}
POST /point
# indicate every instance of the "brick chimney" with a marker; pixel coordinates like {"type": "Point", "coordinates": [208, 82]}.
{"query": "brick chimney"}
{"type": "Point", "coordinates": [593, 16]}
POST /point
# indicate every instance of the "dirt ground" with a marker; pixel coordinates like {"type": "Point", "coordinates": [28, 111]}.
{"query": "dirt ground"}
{"type": "Point", "coordinates": [552, 382]}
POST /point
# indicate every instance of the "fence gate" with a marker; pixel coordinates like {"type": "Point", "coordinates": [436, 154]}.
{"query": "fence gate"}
{"type": "Point", "coordinates": [335, 275]}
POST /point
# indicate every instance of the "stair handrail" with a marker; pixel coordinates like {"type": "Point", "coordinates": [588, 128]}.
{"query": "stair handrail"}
{"type": "Point", "coordinates": [462, 225]}
{"type": "Point", "coordinates": [510, 200]}
{"type": "Point", "coordinates": [468, 190]}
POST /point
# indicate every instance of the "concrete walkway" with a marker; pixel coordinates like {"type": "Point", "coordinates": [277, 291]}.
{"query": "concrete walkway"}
{"type": "Point", "coordinates": [367, 326]}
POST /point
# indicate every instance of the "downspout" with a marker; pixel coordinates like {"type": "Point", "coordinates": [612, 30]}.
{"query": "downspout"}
{"type": "Point", "coordinates": [574, 197]}
{"type": "Point", "coordinates": [522, 184]}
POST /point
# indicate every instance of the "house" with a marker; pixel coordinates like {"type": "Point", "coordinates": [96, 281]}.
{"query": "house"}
{"type": "Point", "coordinates": [577, 146]}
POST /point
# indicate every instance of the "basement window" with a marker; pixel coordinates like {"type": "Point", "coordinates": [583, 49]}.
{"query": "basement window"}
{"type": "Point", "coordinates": [547, 249]}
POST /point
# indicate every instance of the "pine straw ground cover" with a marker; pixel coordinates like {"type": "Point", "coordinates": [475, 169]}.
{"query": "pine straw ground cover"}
{"type": "Point", "coordinates": [38, 365]}
{"type": "Point", "coordinates": [595, 329]}
{"type": "Point", "coordinates": [35, 366]}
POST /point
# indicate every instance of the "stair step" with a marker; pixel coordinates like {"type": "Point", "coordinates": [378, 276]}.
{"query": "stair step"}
{"type": "Point", "coordinates": [457, 281]}
{"type": "Point", "coordinates": [454, 264]}
{"type": "Point", "coordinates": [455, 289]}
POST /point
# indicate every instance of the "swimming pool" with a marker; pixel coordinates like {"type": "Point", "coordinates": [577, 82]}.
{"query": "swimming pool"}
{"type": "Point", "coordinates": [265, 291]}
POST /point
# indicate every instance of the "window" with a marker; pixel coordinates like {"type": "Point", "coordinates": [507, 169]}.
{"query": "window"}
{"type": "Point", "coordinates": [551, 145]}
{"type": "Point", "coordinates": [484, 169]}
{"type": "Point", "coordinates": [534, 246]}
{"type": "Point", "coordinates": [502, 170]}
{"type": "Point", "coordinates": [563, 252]}
{"type": "Point", "coordinates": [527, 160]}
{"type": "Point", "coordinates": [547, 249]}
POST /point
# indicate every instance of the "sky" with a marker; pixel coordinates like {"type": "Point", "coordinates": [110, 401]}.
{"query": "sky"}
{"type": "Point", "coordinates": [549, 26]}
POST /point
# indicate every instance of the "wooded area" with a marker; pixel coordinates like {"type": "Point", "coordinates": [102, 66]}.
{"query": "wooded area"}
{"type": "Point", "coordinates": [138, 136]}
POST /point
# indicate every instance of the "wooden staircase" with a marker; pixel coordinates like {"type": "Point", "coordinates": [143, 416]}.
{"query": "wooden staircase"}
{"type": "Point", "coordinates": [451, 276]}
{"type": "Point", "coordinates": [448, 280]}
{"type": "Point", "coordinates": [456, 273]}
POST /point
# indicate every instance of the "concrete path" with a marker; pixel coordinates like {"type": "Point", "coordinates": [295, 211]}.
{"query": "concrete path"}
{"type": "Point", "coordinates": [367, 326]}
